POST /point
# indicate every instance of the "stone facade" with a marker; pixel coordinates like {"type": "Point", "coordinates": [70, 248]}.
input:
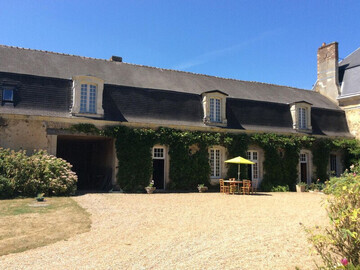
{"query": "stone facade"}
{"type": "Point", "coordinates": [327, 71]}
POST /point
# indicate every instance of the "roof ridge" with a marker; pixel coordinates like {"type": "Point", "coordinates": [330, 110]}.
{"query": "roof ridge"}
{"type": "Point", "coordinates": [145, 66]}
{"type": "Point", "coordinates": [51, 52]}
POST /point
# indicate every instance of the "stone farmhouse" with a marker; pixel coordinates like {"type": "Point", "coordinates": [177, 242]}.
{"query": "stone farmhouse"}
{"type": "Point", "coordinates": [44, 93]}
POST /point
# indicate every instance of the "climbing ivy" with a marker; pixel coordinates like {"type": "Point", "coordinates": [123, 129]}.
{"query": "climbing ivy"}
{"type": "Point", "coordinates": [189, 158]}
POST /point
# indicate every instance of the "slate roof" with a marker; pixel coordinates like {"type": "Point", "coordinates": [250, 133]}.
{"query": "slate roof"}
{"type": "Point", "coordinates": [349, 74]}
{"type": "Point", "coordinates": [55, 65]}
{"type": "Point", "coordinates": [48, 92]}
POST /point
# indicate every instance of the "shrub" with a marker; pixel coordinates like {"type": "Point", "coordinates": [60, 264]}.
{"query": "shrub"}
{"type": "Point", "coordinates": [339, 245]}
{"type": "Point", "coordinates": [280, 189]}
{"type": "Point", "coordinates": [24, 175]}
{"type": "Point", "coordinates": [6, 188]}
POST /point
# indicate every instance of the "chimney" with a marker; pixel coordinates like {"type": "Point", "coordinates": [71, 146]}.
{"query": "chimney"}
{"type": "Point", "coordinates": [116, 58]}
{"type": "Point", "coordinates": [327, 82]}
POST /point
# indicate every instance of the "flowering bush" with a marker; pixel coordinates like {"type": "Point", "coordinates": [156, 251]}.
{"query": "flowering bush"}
{"type": "Point", "coordinates": [339, 244]}
{"type": "Point", "coordinates": [23, 175]}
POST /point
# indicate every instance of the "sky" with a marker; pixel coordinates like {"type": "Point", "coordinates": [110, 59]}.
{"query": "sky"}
{"type": "Point", "coordinates": [268, 41]}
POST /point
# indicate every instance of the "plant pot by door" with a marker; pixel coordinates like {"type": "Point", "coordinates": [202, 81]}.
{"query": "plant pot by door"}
{"type": "Point", "coordinates": [202, 189]}
{"type": "Point", "coordinates": [150, 190]}
{"type": "Point", "coordinates": [300, 188]}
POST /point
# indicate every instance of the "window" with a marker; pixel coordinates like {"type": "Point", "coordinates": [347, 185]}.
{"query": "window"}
{"type": "Point", "coordinates": [158, 153]}
{"type": "Point", "coordinates": [333, 167]}
{"type": "Point", "coordinates": [302, 118]}
{"type": "Point", "coordinates": [7, 95]}
{"type": "Point", "coordinates": [303, 158]}
{"type": "Point", "coordinates": [253, 156]}
{"type": "Point", "coordinates": [215, 110]}
{"type": "Point", "coordinates": [214, 107]}
{"type": "Point", "coordinates": [215, 162]}
{"type": "Point", "coordinates": [88, 98]}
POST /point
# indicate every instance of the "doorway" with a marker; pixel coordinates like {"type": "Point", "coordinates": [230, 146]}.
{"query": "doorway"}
{"type": "Point", "coordinates": [159, 167]}
{"type": "Point", "coordinates": [92, 159]}
{"type": "Point", "coordinates": [304, 168]}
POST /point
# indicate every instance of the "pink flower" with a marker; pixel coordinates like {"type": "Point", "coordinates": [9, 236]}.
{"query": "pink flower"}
{"type": "Point", "coordinates": [354, 174]}
{"type": "Point", "coordinates": [344, 262]}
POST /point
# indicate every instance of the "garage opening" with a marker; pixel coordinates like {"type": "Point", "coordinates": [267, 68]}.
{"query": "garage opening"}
{"type": "Point", "coordinates": [92, 160]}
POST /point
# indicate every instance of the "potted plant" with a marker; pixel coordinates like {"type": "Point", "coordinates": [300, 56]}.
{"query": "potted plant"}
{"type": "Point", "coordinates": [40, 197]}
{"type": "Point", "coordinates": [300, 187]}
{"type": "Point", "coordinates": [202, 188]}
{"type": "Point", "coordinates": [150, 188]}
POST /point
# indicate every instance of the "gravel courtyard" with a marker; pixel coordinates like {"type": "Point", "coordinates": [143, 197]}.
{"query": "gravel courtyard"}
{"type": "Point", "coordinates": [185, 231]}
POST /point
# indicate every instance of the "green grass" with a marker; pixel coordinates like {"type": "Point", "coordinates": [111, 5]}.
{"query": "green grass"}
{"type": "Point", "coordinates": [27, 224]}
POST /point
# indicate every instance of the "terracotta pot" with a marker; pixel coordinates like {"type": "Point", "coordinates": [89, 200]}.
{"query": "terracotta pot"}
{"type": "Point", "coordinates": [300, 188]}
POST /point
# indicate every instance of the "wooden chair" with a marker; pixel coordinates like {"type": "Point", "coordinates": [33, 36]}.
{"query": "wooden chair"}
{"type": "Point", "coordinates": [254, 185]}
{"type": "Point", "coordinates": [233, 186]}
{"type": "Point", "coordinates": [223, 188]}
{"type": "Point", "coordinates": [246, 187]}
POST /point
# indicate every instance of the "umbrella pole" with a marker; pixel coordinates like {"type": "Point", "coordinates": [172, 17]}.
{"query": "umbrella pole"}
{"type": "Point", "coordinates": [238, 172]}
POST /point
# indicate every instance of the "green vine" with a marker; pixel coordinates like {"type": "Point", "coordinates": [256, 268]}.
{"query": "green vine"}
{"type": "Point", "coordinates": [189, 158]}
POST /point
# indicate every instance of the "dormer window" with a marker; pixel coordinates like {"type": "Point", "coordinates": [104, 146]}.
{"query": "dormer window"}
{"type": "Point", "coordinates": [215, 110]}
{"type": "Point", "coordinates": [7, 95]}
{"type": "Point", "coordinates": [214, 105]}
{"type": "Point", "coordinates": [301, 116]}
{"type": "Point", "coordinates": [87, 96]}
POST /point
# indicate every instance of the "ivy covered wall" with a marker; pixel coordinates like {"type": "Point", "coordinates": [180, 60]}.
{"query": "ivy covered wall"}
{"type": "Point", "coordinates": [189, 168]}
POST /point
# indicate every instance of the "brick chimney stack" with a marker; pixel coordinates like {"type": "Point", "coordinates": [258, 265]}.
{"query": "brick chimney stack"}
{"type": "Point", "coordinates": [327, 71]}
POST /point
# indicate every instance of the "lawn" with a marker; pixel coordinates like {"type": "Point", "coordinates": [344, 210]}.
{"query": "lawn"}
{"type": "Point", "coordinates": [27, 224]}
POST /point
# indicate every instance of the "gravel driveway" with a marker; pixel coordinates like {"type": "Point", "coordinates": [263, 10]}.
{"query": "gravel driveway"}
{"type": "Point", "coordinates": [185, 231]}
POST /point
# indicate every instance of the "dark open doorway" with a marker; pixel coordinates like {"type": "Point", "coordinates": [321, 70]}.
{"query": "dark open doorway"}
{"type": "Point", "coordinates": [92, 159]}
{"type": "Point", "coordinates": [158, 173]}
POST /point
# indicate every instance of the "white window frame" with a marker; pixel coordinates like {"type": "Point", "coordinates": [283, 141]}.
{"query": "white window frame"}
{"type": "Point", "coordinates": [77, 109]}
{"type": "Point", "coordinates": [307, 160]}
{"type": "Point", "coordinates": [215, 110]}
{"type": "Point", "coordinates": [215, 161]}
{"type": "Point", "coordinates": [253, 156]}
{"type": "Point", "coordinates": [87, 104]}
{"type": "Point", "coordinates": [214, 106]}
{"type": "Point", "coordinates": [301, 116]}
{"type": "Point", "coordinates": [155, 155]}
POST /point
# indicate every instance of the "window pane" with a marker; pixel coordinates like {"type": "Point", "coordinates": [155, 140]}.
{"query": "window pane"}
{"type": "Point", "coordinates": [218, 111]}
{"type": "Point", "coordinates": [8, 95]}
{"type": "Point", "coordinates": [255, 171]}
{"type": "Point", "coordinates": [302, 118]}
{"type": "Point", "coordinates": [212, 113]}
{"type": "Point", "coordinates": [212, 162]}
{"type": "Point", "coordinates": [83, 98]}
{"type": "Point", "coordinates": [217, 168]}
{"type": "Point", "coordinates": [92, 99]}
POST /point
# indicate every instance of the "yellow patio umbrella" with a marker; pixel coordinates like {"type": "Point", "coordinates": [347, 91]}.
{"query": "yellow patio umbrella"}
{"type": "Point", "coordinates": [239, 160]}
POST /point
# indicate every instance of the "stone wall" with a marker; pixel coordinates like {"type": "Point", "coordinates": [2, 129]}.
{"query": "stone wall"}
{"type": "Point", "coordinates": [22, 134]}
{"type": "Point", "coordinates": [353, 120]}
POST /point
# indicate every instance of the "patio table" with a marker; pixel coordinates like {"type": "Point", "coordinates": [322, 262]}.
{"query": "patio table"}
{"type": "Point", "coordinates": [238, 182]}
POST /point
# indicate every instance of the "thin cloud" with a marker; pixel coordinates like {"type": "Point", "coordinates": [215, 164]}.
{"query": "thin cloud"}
{"type": "Point", "coordinates": [206, 57]}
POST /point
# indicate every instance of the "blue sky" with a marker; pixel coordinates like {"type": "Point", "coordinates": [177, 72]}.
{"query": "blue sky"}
{"type": "Point", "coordinates": [266, 41]}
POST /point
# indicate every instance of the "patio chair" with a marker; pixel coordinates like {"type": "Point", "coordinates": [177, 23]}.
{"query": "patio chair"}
{"type": "Point", "coordinates": [254, 185]}
{"type": "Point", "coordinates": [246, 187]}
{"type": "Point", "coordinates": [223, 188]}
{"type": "Point", "coordinates": [233, 186]}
